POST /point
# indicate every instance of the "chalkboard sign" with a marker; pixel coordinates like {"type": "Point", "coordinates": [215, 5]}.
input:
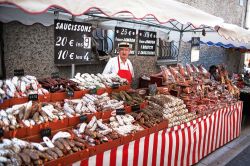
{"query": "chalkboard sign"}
{"type": "Point", "coordinates": [120, 111]}
{"type": "Point", "coordinates": [125, 35]}
{"type": "Point", "coordinates": [33, 97]}
{"type": "Point", "coordinates": [152, 89]}
{"type": "Point", "coordinates": [115, 86]}
{"type": "Point", "coordinates": [195, 43]}
{"type": "Point", "coordinates": [18, 72]}
{"type": "Point", "coordinates": [1, 132]}
{"type": "Point", "coordinates": [69, 92]}
{"type": "Point", "coordinates": [72, 42]}
{"type": "Point", "coordinates": [55, 75]}
{"type": "Point", "coordinates": [45, 132]}
{"type": "Point", "coordinates": [93, 91]}
{"type": "Point", "coordinates": [146, 43]}
{"type": "Point", "coordinates": [83, 118]}
{"type": "Point", "coordinates": [135, 108]}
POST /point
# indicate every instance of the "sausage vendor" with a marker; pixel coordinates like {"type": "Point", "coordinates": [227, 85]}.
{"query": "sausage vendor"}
{"type": "Point", "coordinates": [120, 64]}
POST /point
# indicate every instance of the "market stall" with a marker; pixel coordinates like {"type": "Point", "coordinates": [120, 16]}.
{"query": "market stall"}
{"type": "Point", "coordinates": [185, 144]}
{"type": "Point", "coordinates": [96, 119]}
{"type": "Point", "coordinates": [112, 124]}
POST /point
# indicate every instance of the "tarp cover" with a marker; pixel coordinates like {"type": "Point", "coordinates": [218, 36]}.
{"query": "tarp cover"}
{"type": "Point", "coordinates": [162, 10]}
{"type": "Point", "coordinates": [233, 32]}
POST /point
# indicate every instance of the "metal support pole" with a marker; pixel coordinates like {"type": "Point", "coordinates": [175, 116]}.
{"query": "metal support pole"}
{"type": "Point", "coordinates": [179, 48]}
{"type": "Point", "coordinates": [73, 67]}
{"type": "Point", "coordinates": [73, 70]}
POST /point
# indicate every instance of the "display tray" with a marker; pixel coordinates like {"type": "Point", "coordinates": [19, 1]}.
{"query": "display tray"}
{"type": "Point", "coordinates": [157, 80]}
{"type": "Point", "coordinates": [163, 125]}
{"type": "Point", "coordinates": [101, 91]}
{"type": "Point", "coordinates": [34, 130]}
{"type": "Point", "coordinates": [153, 129]}
{"type": "Point", "coordinates": [120, 88]}
{"type": "Point", "coordinates": [106, 114]}
{"type": "Point", "coordinates": [5, 104]}
{"type": "Point", "coordinates": [140, 134]}
{"type": "Point", "coordinates": [69, 159]}
{"type": "Point", "coordinates": [58, 124]}
{"type": "Point", "coordinates": [126, 139]}
{"type": "Point", "coordinates": [76, 120]}
{"type": "Point", "coordinates": [60, 96]}
{"type": "Point", "coordinates": [19, 133]}
{"type": "Point", "coordinates": [106, 146]}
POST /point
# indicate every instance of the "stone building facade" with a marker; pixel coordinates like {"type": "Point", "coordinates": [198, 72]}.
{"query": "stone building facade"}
{"type": "Point", "coordinates": [32, 47]}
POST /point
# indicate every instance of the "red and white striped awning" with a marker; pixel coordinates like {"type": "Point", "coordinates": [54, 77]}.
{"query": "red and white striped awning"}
{"type": "Point", "coordinates": [162, 10]}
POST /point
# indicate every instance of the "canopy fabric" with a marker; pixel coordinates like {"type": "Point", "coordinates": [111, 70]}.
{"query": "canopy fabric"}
{"type": "Point", "coordinates": [162, 10]}
{"type": "Point", "coordinates": [219, 44]}
{"type": "Point", "coordinates": [10, 14]}
{"type": "Point", "coordinates": [35, 11]}
{"type": "Point", "coordinates": [233, 32]}
{"type": "Point", "coordinates": [210, 39]}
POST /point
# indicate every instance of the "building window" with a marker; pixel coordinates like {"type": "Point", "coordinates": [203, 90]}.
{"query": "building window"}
{"type": "Point", "coordinates": [241, 2]}
{"type": "Point", "coordinates": [195, 55]}
{"type": "Point", "coordinates": [167, 50]}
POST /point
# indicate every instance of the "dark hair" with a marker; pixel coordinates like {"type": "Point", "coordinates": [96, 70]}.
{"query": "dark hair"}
{"type": "Point", "coordinates": [212, 68]}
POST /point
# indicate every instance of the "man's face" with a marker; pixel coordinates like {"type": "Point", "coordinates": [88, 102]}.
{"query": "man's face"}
{"type": "Point", "coordinates": [124, 52]}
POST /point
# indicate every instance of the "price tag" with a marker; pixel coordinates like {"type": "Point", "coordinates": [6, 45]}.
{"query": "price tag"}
{"type": "Point", "coordinates": [33, 97]}
{"type": "Point", "coordinates": [1, 132]}
{"type": "Point", "coordinates": [223, 88]}
{"type": "Point", "coordinates": [135, 108]}
{"type": "Point", "coordinates": [174, 93]}
{"type": "Point", "coordinates": [115, 86]}
{"type": "Point", "coordinates": [55, 75]}
{"type": "Point", "coordinates": [93, 91]}
{"type": "Point", "coordinates": [83, 118]}
{"type": "Point", "coordinates": [18, 72]}
{"type": "Point", "coordinates": [120, 112]}
{"type": "Point", "coordinates": [45, 132]}
{"type": "Point", "coordinates": [69, 92]}
{"type": "Point", "coordinates": [152, 89]}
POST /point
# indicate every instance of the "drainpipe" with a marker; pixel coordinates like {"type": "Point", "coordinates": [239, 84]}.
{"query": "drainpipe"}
{"type": "Point", "coordinates": [246, 21]}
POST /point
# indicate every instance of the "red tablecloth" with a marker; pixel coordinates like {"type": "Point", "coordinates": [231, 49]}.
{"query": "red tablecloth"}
{"type": "Point", "coordinates": [180, 145]}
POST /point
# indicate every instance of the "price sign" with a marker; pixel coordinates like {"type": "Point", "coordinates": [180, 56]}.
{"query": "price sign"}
{"type": "Point", "coordinates": [45, 132]}
{"type": "Point", "coordinates": [120, 111]}
{"type": "Point", "coordinates": [174, 93]}
{"type": "Point", "coordinates": [1, 132]}
{"type": "Point", "coordinates": [72, 42]}
{"type": "Point", "coordinates": [69, 92]}
{"type": "Point", "coordinates": [125, 35]}
{"type": "Point", "coordinates": [152, 89]}
{"type": "Point", "coordinates": [195, 42]}
{"type": "Point", "coordinates": [83, 118]}
{"type": "Point", "coordinates": [93, 91]}
{"type": "Point", "coordinates": [18, 72]}
{"type": "Point", "coordinates": [135, 108]}
{"type": "Point", "coordinates": [33, 97]}
{"type": "Point", "coordinates": [146, 43]}
{"type": "Point", "coordinates": [115, 86]}
{"type": "Point", "coordinates": [55, 75]}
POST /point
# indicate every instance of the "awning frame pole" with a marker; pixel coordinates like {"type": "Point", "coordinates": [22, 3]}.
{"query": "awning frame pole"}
{"type": "Point", "coordinates": [73, 66]}
{"type": "Point", "coordinates": [179, 47]}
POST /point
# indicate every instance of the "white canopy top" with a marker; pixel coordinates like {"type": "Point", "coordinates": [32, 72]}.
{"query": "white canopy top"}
{"type": "Point", "coordinates": [233, 32]}
{"type": "Point", "coordinates": [162, 10]}
{"type": "Point", "coordinates": [36, 11]}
